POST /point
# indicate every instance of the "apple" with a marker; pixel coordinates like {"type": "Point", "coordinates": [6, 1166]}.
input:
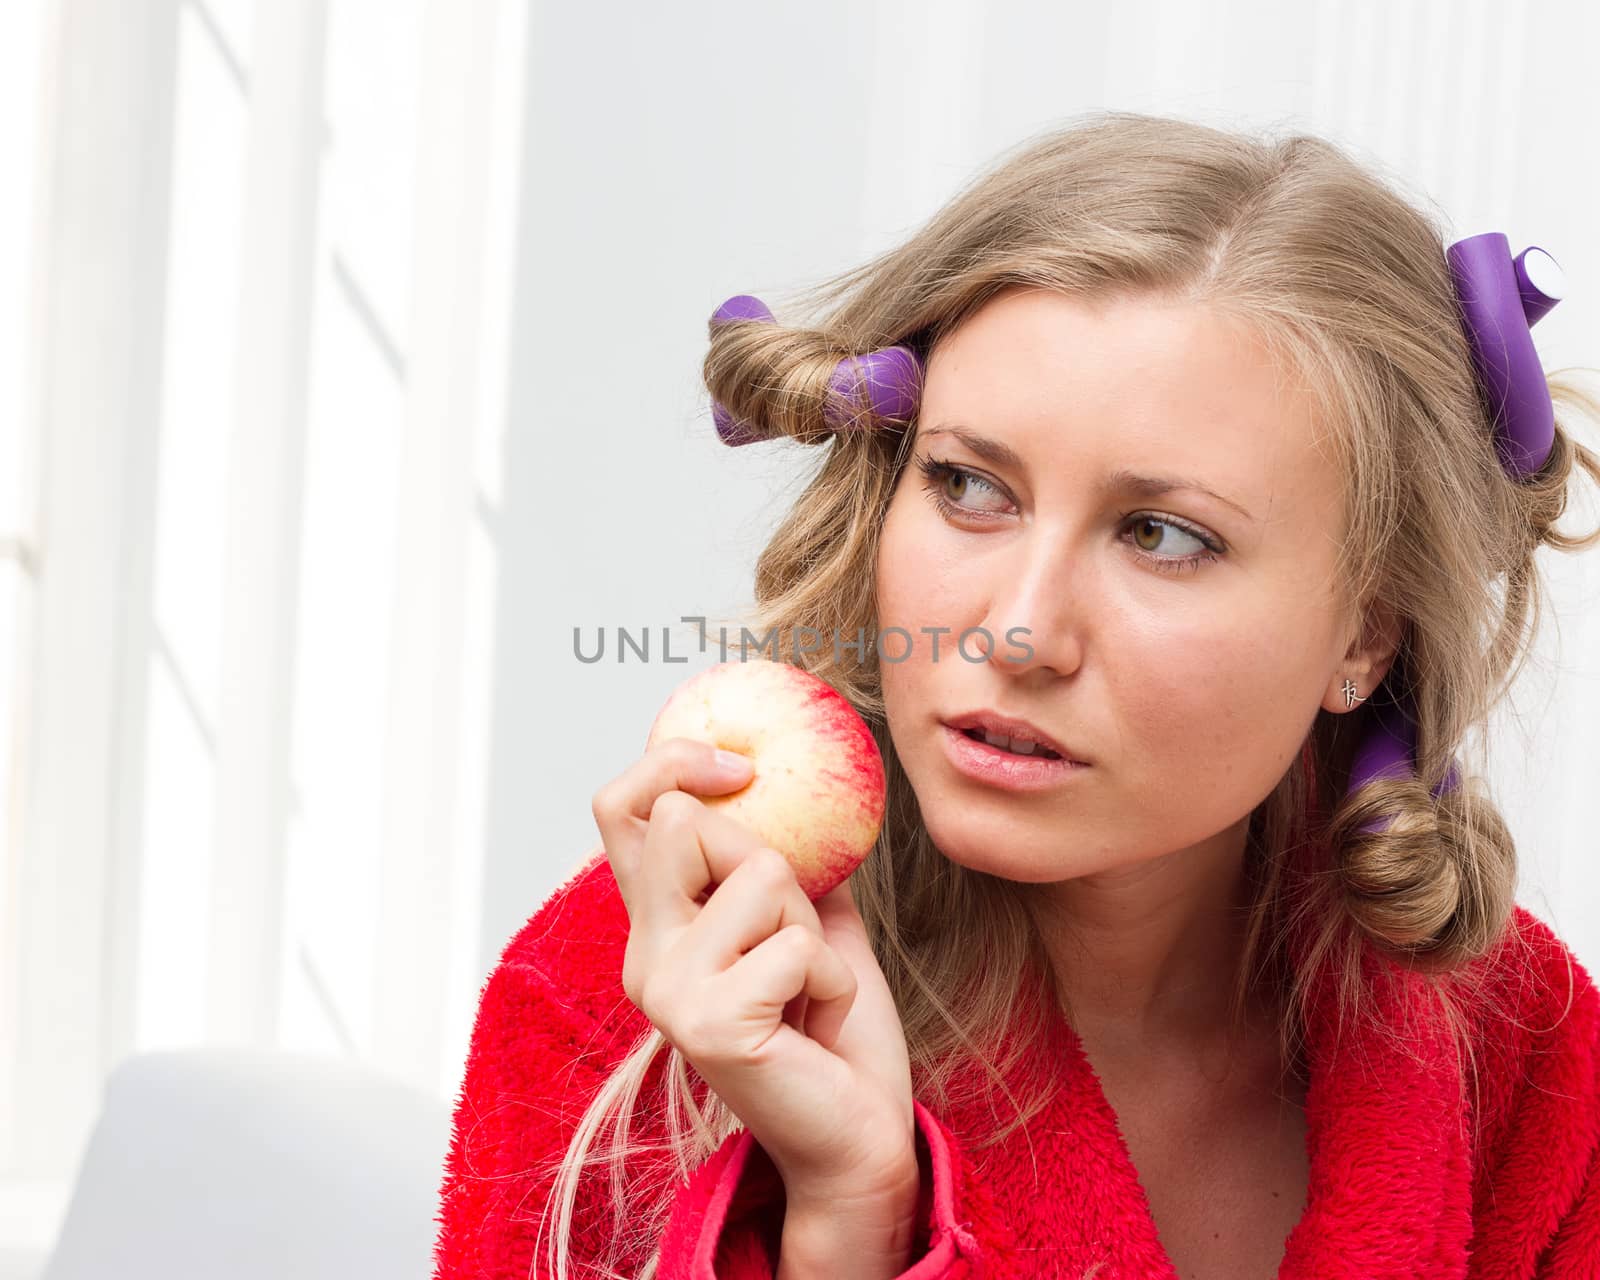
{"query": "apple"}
{"type": "Point", "coordinates": [817, 794]}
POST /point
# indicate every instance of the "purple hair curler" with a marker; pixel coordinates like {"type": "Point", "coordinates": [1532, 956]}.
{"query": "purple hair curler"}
{"type": "Point", "coordinates": [890, 376]}
{"type": "Point", "coordinates": [1388, 750]}
{"type": "Point", "coordinates": [1501, 299]}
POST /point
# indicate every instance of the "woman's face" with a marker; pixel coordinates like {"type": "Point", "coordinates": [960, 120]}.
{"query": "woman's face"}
{"type": "Point", "coordinates": [1181, 643]}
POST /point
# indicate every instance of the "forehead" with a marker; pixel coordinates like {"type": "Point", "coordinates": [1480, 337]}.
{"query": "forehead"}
{"type": "Point", "coordinates": [1128, 381]}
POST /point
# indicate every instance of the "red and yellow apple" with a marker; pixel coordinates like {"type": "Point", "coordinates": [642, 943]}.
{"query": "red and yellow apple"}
{"type": "Point", "coordinates": [817, 794]}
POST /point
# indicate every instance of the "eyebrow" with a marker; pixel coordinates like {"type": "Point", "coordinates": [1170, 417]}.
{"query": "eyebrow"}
{"type": "Point", "coordinates": [1122, 479]}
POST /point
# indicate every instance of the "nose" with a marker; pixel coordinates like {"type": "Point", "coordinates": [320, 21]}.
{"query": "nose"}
{"type": "Point", "coordinates": [1032, 629]}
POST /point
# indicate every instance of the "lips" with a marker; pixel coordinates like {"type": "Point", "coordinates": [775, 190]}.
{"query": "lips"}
{"type": "Point", "coordinates": [1012, 727]}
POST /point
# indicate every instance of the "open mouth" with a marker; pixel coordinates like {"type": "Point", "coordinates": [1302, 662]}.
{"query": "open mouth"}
{"type": "Point", "coordinates": [1013, 746]}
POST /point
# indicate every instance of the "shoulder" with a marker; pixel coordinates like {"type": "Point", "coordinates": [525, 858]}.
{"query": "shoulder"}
{"type": "Point", "coordinates": [1538, 975]}
{"type": "Point", "coordinates": [1536, 1093]}
{"type": "Point", "coordinates": [1536, 1031]}
{"type": "Point", "coordinates": [576, 938]}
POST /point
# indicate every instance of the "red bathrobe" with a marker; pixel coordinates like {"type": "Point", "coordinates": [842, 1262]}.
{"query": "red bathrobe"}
{"type": "Point", "coordinates": [1396, 1188]}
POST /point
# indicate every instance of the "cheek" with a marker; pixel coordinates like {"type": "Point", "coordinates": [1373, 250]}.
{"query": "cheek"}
{"type": "Point", "coordinates": [914, 589]}
{"type": "Point", "coordinates": [1167, 689]}
{"type": "Point", "coordinates": [894, 574]}
{"type": "Point", "coordinates": [1217, 702]}
{"type": "Point", "coordinates": [919, 582]}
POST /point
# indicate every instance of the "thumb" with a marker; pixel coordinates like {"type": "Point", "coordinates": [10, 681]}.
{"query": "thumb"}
{"type": "Point", "coordinates": [838, 909]}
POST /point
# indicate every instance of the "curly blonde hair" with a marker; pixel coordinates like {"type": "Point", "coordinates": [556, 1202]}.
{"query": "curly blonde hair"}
{"type": "Point", "coordinates": [1348, 283]}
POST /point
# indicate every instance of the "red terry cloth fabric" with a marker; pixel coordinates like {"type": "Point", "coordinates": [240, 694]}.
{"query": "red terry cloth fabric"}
{"type": "Point", "coordinates": [1396, 1187]}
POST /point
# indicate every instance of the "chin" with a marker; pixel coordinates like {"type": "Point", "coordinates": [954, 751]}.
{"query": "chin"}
{"type": "Point", "coordinates": [1004, 848]}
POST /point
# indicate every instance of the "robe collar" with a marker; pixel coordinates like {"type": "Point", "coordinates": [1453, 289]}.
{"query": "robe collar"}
{"type": "Point", "coordinates": [1389, 1191]}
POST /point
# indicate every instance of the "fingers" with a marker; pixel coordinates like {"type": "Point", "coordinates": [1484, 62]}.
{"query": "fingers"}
{"type": "Point", "coordinates": [704, 896]}
{"type": "Point", "coordinates": [811, 986]}
{"type": "Point", "coordinates": [755, 900]}
{"type": "Point", "coordinates": [688, 850]}
{"type": "Point", "coordinates": [622, 807]}
{"type": "Point", "coordinates": [700, 978]}
{"type": "Point", "coordinates": [792, 962]}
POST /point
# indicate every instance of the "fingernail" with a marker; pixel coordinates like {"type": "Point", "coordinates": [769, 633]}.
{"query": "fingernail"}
{"type": "Point", "coordinates": [732, 761]}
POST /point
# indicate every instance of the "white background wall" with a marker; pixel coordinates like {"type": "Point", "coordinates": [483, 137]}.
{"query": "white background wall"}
{"type": "Point", "coordinates": [349, 357]}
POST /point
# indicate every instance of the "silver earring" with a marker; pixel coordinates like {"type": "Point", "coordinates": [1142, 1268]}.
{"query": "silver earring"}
{"type": "Point", "coordinates": [1350, 698]}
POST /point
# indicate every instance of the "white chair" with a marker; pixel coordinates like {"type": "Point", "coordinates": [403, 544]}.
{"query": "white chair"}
{"type": "Point", "coordinates": [231, 1164]}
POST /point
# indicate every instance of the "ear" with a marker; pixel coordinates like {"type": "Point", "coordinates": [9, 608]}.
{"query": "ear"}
{"type": "Point", "coordinates": [1368, 658]}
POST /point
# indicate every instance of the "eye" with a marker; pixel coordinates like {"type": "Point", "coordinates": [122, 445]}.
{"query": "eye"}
{"type": "Point", "coordinates": [1144, 521]}
{"type": "Point", "coordinates": [939, 475]}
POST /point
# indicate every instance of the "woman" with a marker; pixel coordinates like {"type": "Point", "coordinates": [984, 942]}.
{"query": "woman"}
{"type": "Point", "coordinates": [1190, 458]}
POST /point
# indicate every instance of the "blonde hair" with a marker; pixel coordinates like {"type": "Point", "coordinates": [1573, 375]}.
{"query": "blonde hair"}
{"type": "Point", "coordinates": [1348, 283]}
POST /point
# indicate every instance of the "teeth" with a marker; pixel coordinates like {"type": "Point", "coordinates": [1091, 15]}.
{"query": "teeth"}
{"type": "Point", "coordinates": [1020, 746]}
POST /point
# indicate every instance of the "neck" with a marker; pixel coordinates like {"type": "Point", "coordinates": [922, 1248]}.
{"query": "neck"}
{"type": "Point", "coordinates": [1148, 955]}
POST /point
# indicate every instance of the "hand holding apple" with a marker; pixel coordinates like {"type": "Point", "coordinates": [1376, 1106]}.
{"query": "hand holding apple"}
{"type": "Point", "coordinates": [774, 997]}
